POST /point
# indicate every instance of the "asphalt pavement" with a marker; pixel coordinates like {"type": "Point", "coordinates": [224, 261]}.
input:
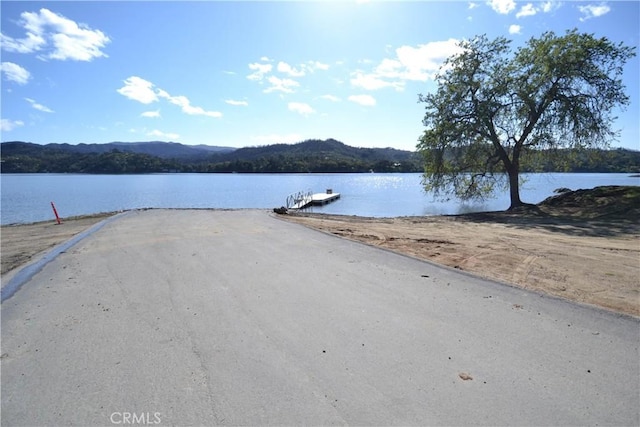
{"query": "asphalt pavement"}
{"type": "Point", "coordinates": [209, 317]}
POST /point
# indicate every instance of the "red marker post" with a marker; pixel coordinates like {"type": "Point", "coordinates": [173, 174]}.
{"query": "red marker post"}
{"type": "Point", "coordinates": [56, 213]}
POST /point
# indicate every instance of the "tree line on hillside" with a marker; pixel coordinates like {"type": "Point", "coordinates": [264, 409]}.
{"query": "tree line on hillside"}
{"type": "Point", "coordinates": [32, 158]}
{"type": "Point", "coordinates": [114, 162]}
{"type": "Point", "coordinates": [121, 162]}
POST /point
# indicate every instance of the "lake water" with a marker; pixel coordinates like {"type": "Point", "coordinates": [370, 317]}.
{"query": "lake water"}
{"type": "Point", "coordinates": [27, 197]}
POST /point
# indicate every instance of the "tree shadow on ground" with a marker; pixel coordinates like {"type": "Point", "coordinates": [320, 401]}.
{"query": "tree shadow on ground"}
{"type": "Point", "coordinates": [568, 223]}
{"type": "Point", "coordinates": [606, 211]}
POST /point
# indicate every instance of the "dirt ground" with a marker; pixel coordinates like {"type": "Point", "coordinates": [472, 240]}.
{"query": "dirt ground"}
{"type": "Point", "coordinates": [587, 260]}
{"type": "Point", "coordinates": [20, 243]}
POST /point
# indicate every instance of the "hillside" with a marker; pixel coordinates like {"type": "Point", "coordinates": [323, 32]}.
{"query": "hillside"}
{"type": "Point", "coordinates": [315, 156]}
{"type": "Point", "coordinates": [321, 156]}
{"type": "Point", "coordinates": [147, 157]}
{"type": "Point", "coordinates": [314, 147]}
{"type": "Point", "coordinates": [163, 150]}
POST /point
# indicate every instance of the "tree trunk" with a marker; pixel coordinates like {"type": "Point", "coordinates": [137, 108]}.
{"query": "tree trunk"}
{"type": "Point", "coordinates": [514, 188]}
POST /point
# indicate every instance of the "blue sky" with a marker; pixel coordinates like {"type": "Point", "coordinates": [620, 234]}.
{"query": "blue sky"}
{"type": "Point", "coordinates": [256, 73]}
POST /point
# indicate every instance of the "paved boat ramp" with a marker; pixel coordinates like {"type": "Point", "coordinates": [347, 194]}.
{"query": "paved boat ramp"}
{"type": "Point", "coordinates": [197, 317]}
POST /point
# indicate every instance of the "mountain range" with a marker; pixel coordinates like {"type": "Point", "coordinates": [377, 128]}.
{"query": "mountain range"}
{"type": "Point", "coordinates": [318, 156]}
{"type": "Point", "coordinates": [156, 156]}
{"type": "Point", "coordinates": [164, 150]}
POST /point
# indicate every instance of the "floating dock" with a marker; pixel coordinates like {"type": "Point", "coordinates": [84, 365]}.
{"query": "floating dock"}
{"type": "Point", "coordinates": [302, 201]}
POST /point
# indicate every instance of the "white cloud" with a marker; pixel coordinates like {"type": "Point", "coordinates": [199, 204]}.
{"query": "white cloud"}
{"type": "Point", "coordinates": [301, 108]}
{"type": "Point", "coordinates": [29, 44]}
{"type": "Point", "coordinates": [144, 91]}
{"type": "Point", "coordinates": [515, 29]}
{"type": "Point", "coordinates": [316, 65]}
{"type": "Point", "coordinates": [503, 7]}
{"type": "Point", "coordinates": [413, 63]}
{"type": "Point", "coordinates": [283, 67]}
{"type": "Point", "coordinates": [472, 5]}
{"type": "Point", "coordinates": [7, 125]}
{"type": "Point", "coordinates": [15, 73]}
{"type": "Point", "coordinates": [151, 114]}
{"type": "Point", "coordinates": [139, 90]}
{"type": "Point", "coordinates": [262, 73]}
{"type": "Point", "coordinates": [259, 71]}
{"type": "Point", "coordinates": [373, 81]}
{"type": "Point", "coordinates": [331, 98]}
{"type": "Point", "coordinates": [265, 59]}
{"type": "Point", "coordinates": [57, 37]}
{"type": "Point", "coordinates": [526, 10]}
{"type": "Point", "coordinates": [38, 106]}
{"type": "Point", "coordinates": [422, 62]}
{"type": "Point", "coordinates": [281, 85]}
{"type": "Point", "coordinates": [549, 6]}
{"type": "Point", "coordinates": [184, 103]}
{"type": "Point", "coordinates": [238, 103]}
{"type": "Point", "coordinates": [278, 139]}
{"type": "Point", "coordinates": [531, 9]}
{"type": "Point", "coordinates": [161, 134]}
{"type": "Point", "coordinates": [593, 11]}
{"type": "Point", "coordinates": [366, 100]}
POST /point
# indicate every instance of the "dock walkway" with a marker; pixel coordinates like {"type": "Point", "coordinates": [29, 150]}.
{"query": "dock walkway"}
{"type": "Point", "coordinates": [317, 199]}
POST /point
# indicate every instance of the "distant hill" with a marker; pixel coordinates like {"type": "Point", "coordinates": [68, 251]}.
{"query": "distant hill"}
{"type": "Point", "coordinates": [318, 148]}
{"type": "Point", "coordinates": [320, 156]}
{"type": "Point", "coordinates": [156, 156]}
{"type": "Point", "coordinates": [25, 157]}
{"type": "Point", "coordinates": [164, 150]}
{"type": "Point", "coordinates": [317, 156]}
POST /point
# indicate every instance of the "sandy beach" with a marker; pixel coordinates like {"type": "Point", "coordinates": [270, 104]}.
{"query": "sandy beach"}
{"type": "Point", "coordinates": [587, 261]}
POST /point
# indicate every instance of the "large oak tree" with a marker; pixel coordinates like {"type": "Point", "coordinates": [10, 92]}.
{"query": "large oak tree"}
{"type": "Point", "coordinates": [493, 104]}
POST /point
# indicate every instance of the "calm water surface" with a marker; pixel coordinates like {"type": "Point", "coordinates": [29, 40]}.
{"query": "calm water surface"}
{"type": "Point", "coordinates": [26, 197]}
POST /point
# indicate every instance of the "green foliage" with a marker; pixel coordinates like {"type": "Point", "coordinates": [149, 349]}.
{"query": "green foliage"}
{"type": "Point", "coordinates": [32, 158]}
{"type": "Point", "coordinates": [19, 157]}
{"type": "Point", "coordinates": [581, 160]}
{"type": "Point", "coordinates": [493, 106]}
{"type": "Point", "coordinates": [308, 156]}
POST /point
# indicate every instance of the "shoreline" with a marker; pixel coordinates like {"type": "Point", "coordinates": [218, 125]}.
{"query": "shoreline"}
{"type": "Point", "coordinates": [590, 262]}
{"type": "Point", "coordinates": [21, 243]}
